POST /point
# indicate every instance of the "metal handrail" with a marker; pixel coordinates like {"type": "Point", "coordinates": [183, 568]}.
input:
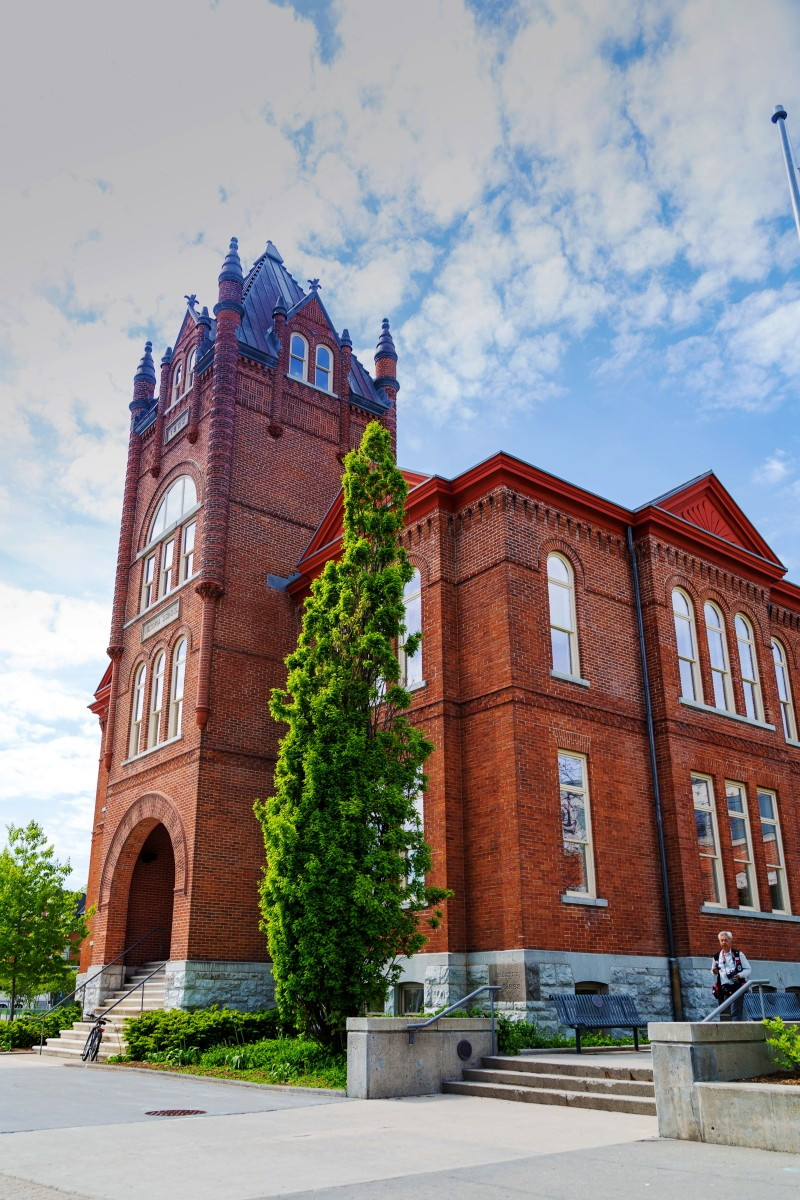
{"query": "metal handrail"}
{"type": "Point", "coordinates": [491, 988]}
{"type": "Point", "coordinates": [82, 986]}
{"type": "Point", "coordinates": [130, 991]}
{"type": "Point", "coordinates": [749, 983]}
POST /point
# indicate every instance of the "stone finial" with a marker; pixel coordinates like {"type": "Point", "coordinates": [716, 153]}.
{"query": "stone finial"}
{"type": "Point", "coordinates": [345, 340]}
{"type": "Point", "coordinates": [147, 368]}
{"type": "Point", "coordinates": [167, 359]}
{"type": "Point", "coordinates": [232, 266]}
{"type": "Point", "coordinates": [385, 347]}
{"type": "Point", "coordinates": [314, 284]}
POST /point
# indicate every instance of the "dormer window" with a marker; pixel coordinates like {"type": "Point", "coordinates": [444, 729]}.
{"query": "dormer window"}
{"type": "Point", "coordinates": [298, 357]}
{"type": "Point", "coordinates": [323, 371]}
{"type": "Point", "coordinates": [177, 381]}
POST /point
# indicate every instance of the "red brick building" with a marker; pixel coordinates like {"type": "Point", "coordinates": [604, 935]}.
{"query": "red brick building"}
{"type": "Point", "coordinates": [610, 692]}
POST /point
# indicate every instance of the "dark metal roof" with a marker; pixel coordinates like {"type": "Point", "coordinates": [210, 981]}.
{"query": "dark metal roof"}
{"type": "Point", "coordinates": [266, 280]}
{"type": "Point", "coordinates": [363, 390]}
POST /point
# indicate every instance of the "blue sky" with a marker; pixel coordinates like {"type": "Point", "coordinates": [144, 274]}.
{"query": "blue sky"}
{"type": "Point", "coordinates": [574, 213]}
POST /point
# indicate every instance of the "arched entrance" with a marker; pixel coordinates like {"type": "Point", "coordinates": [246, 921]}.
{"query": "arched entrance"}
{"type": "Point", "coordinates": [150, 899]}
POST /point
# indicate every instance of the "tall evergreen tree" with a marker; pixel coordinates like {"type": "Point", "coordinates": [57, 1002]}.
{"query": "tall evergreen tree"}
{"type": "Point", "coordinates": [38, 915]}
{"type": "Point", "coordinates": [346, 856]}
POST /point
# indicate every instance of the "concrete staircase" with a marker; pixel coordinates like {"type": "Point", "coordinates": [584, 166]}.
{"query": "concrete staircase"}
{"type": "Point", "coordinates": [134, 999]}
{"type": "Point", "coordinates": [572, 1081]}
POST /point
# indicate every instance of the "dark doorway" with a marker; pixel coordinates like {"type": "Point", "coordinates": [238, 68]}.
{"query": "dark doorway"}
{"type": "Point", "coordinates": [150, 900]}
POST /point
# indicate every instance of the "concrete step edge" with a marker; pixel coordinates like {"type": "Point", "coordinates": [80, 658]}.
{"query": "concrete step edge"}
{"type": "Point", "coordinates": [534, 1066]}
{"type": "Point", "coordinates": [592, 1085]}
{"type": "Point", "coordinates": [500, 1091]}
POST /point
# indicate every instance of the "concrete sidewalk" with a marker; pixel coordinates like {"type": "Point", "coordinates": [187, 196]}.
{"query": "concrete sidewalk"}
{"type": "Point", "coordinates": [83, 1133]}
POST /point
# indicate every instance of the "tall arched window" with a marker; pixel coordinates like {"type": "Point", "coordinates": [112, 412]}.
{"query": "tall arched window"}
{"type": "Point", "coordinates": [784, 691]}
{"type": "Point", "coordinates": [137, 711]}
{"type": "Point", "coordinates": [323, 370]}
{"type": "Point", "coordinates": [190, 363]}
{"type": "Point", "coordinates": [178, 499]}
{"type": "Point", "coordinates": [156, 700]}
{"type": "Point", "coordinates": [411, 667]}
{"type": "Point", "coordinates": [177, 383]}
{"type": "Point", "coordinates": [686, 638]}
{"type": "Point", "coordinates": [176, 688]}
{"type": "Point", "coordinates": [748, 665]}
{"type": "Point", "coordinates": [298, 357]}
{"type": "Point", "coordinates": [718, 654]}
{"type": "Point", "coordinates": [563, 621]}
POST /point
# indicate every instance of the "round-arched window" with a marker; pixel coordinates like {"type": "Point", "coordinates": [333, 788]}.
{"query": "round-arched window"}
{"type": "Point", "coordinates": [178, 499]}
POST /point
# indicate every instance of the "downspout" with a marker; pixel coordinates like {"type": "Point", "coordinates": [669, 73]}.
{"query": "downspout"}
{"type": "Point", "coordinates": [674, 970]}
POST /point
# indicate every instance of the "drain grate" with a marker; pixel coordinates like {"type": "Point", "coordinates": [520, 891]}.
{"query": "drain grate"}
{"type": "Point", "coordinates": [176, 1112]}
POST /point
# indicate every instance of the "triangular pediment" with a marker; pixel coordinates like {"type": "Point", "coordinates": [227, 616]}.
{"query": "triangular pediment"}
{"type": "Point", "coordinates": [706, 504]}
{"type": "Point", "coordinates": [188, 324]}
{"type": "Point", "coordinates": [314, 309]}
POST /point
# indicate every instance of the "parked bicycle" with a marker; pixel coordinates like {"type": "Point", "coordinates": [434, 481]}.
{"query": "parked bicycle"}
{"type": "Point", "coordinates": [92, 1047]}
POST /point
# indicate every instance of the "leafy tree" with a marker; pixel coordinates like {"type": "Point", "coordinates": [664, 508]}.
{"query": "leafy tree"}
{"type": "Point", "coordinates": [346, 857]}
{"type": "Point", "coordinates": [38, 916]}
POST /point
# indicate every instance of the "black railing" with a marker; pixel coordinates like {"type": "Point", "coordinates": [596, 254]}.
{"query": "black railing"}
{"type": "Point", "coordinates": [160, 929]}
{"type": "Point", "coordinates": [491, 988]}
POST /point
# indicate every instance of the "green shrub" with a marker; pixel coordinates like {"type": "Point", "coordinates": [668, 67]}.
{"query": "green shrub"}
{"type": "Point", "coordinates": [159, 1033]}
{"type": "Point", "coordinates": [785, 1043]}
{"type": "Point", "coordinates": [26, 1031]}
{"type": "Point", "coordinates": [284, 1060]}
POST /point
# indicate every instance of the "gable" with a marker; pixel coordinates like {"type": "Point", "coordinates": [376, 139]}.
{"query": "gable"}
{"type": "Point", "coordinates": [706, 504]}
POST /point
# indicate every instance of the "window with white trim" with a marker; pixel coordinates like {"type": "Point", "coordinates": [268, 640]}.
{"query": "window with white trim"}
{"type": "Point", "coordinates": [718, 654]}
{"type": "Point", "coordinates": [411, 666]}
{"type": "Point", "coordinates": [156, 699]}
{"type": "Point", "coordinates": [323, 368]}
{"type": "Point", "coordinates": [179, 497]}
{"type": "Point", "coordinates": [416, 825]}
{"type": "Point", "coordinates": [686, 640]}
{"type": "Point", "coordinates": [148, 581]}
{"type": "Point", "coordinates": [748, 664]}
{"type": "Point", "coordinates": [177, 383]}
{"type": "Point", "coordinates": [190, 365]}
{"type": "Point", "coordinates": [563, 619]}
{"type": "Point", "coordinates": [577, 858]}
{"type": "Point", "coordinates": [177, 684]}
{"type": "Point", "coordinates": [705, 819]}
{"type": "Point", "coordinates": [137, 711]}
{"type": "Point", "coordinates": [742, 844]}
{"type": "Point", "coordinates": [187, 551]}
{"type": "Point", "coordinates": [773, 850]}
{"type": "Point", "coordinates": [167, 567]}
{"type": "Point", "coordinates": [784, 690]}
{"type": "Point", "coordinates": [298, 356]}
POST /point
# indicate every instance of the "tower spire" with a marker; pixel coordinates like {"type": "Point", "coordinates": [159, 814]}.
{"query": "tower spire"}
{"type": "Point", "coordinates": [779, 119]}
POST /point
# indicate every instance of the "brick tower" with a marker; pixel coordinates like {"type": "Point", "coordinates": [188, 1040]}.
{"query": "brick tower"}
{"type": "Point", "coordinates": [232, 464]}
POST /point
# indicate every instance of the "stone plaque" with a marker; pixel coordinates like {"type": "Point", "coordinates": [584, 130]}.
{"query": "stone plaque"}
{"type": "Point", "coordinates": [161, 619]}
{"type": "Point", "coordinates": [511, 977]}
{"type": "Point", "coordinates": [174, 429]}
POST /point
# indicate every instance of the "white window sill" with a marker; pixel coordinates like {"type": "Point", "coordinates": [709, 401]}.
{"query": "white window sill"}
{"type": "Point", "coordinates": [415, 687]}
{"type": "Point", "coordinates": [151, 750]}
{"type": "Point", "coordinates": [792, 742]}
{"type": "Point", "coordinates": [308, 383]}
{"type": "Point", "coordinates": [569, 678]}
{"type": "Point", "coordinates": [153, 608]}
{"type": "Point", "coordinates": [723, 712]}
{"type": "Point", "coordinates": [717, 911]}
{"type": "Point", "coordinates": [589, 901]}
{"type": "Point", "coordinates": [162, 537]}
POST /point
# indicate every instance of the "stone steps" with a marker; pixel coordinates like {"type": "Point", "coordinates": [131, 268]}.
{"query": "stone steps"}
{"type": "Point", "coordinates": [622, 1088]}
{"type": "Point", "coordinates": [133, 1000]}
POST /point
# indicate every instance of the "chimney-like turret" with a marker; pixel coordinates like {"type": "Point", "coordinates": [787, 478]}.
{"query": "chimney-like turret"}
{"type": "Point", "coordinates": [163, 405]}
{"type": "Point", "coordinates": [386, 376]}
{"type": "Point", "coordinates": [779, 119]}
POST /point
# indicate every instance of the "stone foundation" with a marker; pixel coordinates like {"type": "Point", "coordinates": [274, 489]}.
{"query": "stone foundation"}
{"type": "Point", "coordinates": [191, 983]}
{"type": "Point", "coordinates": [99, 984]}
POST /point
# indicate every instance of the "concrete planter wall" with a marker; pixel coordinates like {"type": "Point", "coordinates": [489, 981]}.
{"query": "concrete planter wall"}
{"type": "Point", "coordinates": [381, 1062]}
{"type": "Point", "coordinates": [700, 1073]}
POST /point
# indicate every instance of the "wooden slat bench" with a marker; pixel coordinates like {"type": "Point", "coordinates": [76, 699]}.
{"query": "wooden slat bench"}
{"type": "Point", "coordinates": [598, 1012]}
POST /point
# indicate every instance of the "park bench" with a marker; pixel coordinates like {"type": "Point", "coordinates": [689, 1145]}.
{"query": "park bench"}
{"type": "Point", "coordinates": [776, 1004]}
{"type": "Point", "coordinates": [598, 1012]}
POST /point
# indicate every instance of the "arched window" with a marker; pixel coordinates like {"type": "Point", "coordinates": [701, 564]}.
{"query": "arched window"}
{"type": "Point", "coordinates": [137, 711]}
{"type": "Point", "coordinates": [178, 499]}
{"type": "Point", "coordinates": [190, 362]}
{"type": "Point", "coordinates": [686, 638]}
{"type": "Point", "coordinates": [563, 621]}
{"type": "Point", "coordinates": [784, 691]}
{"type": "Point", "coordinates": [176, 688]}
{"type": "Point", "coordinates": [177, 383]}
{"type": "Point", "coordinates": [411, 667]}
{"type": "Point", "coordinates": [748, 665]}
{"type": "Point", "coordinates": [156, 700]}
{"type": "Point", "coordinates": [323, 371]}
{"type": "Point", "coordinates": [718, 654]}
{"type": "Point", "coordinates": [298, 357]}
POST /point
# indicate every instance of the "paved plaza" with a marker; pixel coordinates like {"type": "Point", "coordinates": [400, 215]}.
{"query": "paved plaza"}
{"type": "Point", "coordinates": [70, 1132]}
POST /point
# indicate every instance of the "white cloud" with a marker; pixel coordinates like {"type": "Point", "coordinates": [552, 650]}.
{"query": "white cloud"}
{"type": "Point", "coordinates": [774, 469]}
{"type": "Point", "coordinates": [38, 630]}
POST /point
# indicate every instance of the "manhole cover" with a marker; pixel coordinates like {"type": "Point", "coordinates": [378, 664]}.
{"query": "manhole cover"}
{"type": "Point", "coordinates": [176, 1112]}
